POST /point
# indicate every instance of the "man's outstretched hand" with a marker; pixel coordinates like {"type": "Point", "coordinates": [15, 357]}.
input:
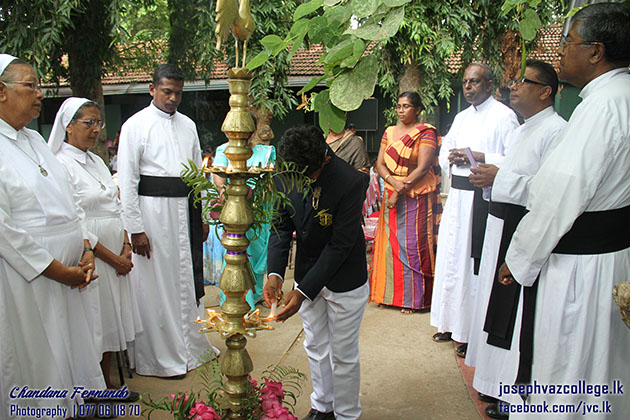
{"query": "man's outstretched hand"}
{"type": "Point", "coordinates": [292, 303]}
{"type": "Point", "coordinates": [272, 293]}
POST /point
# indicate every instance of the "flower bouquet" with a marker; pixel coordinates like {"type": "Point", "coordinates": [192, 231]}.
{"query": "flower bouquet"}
{"type": "Point", "coordinates": [273, 399]}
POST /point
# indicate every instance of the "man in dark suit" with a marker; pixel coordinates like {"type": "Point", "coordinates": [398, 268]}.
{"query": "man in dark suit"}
{"type": "Point", "coordinates": [331, 288]}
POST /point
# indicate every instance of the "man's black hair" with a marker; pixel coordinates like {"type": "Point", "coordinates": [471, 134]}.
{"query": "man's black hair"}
{"type": "Point", "coordinates": [608, 23]}
{"type": "Point", "coordinates": [546, 74]}
{"type": "Point", "coordinates": [305, 146]}
{"type": "Point", "coordinates": [167, 71]}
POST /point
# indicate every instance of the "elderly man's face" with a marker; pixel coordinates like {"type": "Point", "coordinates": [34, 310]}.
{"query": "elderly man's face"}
{"type": "Point", "coordinates": [167, 94]}
{"type": "Point", "coordinates": [574, 58]}
{"type": "Point", "coordinates": [476, 88]}
{"type": "Point", "coordinates": [22, 100]}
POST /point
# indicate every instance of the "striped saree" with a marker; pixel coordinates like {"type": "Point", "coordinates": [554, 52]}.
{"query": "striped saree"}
{"type": "Point", "coordinates": [402, 269]}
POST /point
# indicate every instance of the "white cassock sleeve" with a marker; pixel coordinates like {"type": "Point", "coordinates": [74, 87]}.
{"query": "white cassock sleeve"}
{"type": "Point", "coordinates": [503, 134]}
{"type": "Point", "coordinates": [560, 192]}
{"type": "Point", "coordinates": [17, 247]}
{"type": "Point", "coordinates": [129, 177]}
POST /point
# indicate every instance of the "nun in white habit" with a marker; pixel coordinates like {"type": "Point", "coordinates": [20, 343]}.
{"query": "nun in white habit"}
{"type": "Point", "coordinates": [110, 302]}
{"type": "Point", "coordinates": [45, 258]}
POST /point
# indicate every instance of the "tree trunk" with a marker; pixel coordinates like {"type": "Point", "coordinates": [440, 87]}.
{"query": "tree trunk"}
{"type": "Point", "coordinates": [410, 80]}
{"type": "Point", "coordinates": [88, 47]}
{"type": "Point", "coordinates": [263, 134]}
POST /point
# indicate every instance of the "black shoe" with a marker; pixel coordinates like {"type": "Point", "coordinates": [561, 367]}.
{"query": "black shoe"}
{"type": "Point", "coordinates": [461, 351]}
{"type": "Point", "coordinates": [174, 377]}
{"type": "Point", "coordinates": [493, 412]}
{"type": "Point", "coordinates": [487, 398]}
{"type": "Point", "coordinates": [318, 415]}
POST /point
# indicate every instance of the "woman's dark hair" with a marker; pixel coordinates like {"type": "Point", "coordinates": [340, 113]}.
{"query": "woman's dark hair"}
{"type": "Point", "coordinates": [89, 104]}
{"type": "Point", "coordinates": [305, 146]}
{"type": "Point", "coordinates": [413, 97]}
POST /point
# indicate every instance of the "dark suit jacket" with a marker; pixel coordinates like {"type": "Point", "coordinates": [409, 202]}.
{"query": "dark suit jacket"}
{"type": "Point", "coordinates": [331, 256]}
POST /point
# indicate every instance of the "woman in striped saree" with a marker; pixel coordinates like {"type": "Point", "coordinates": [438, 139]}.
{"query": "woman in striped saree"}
{"type": "Point", "coordinates": [404, 251]}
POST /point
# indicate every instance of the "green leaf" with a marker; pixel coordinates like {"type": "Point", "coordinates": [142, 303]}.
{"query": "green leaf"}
{"type": "Point", "coordinates": [376, 32]}
{"type": "Point", "coordinates": [258, 61]}
{"type": "Point", "coordinates": [320, 100]}
{"type": "Point", "coordinates": [395, 3]}
{"type": "Point", "coordinates": [393, 20]}
{"type": "Point", "coordinates": [271, 42]}
{"type": "Point", "coordinates": [358, 47]}
{"type": "Point", "coordinates": [331, 117]}
{"type": "Point", "coordinates": [311, 84]}
{"type": "Point", "coordinates": [529, 24]}
{"type": "Point", "coordinates": [307, 8]}
{"type": "Point", "coordinates": [298, 27]}
{"type": "Point", "coordinates": [534, 3]}
{"type": "Point", "coordinates": [339, 14]}
{"type": "Point", "coordinates": [349, 89]}
{"type": "Point", "coordinates": [339, 52]}
{"type": "Point", "coordinates": [330, 3]}
{"type": "Point", "coordinates": [317, 28]}
{"type": "Point", "coordinates": [363, 8]}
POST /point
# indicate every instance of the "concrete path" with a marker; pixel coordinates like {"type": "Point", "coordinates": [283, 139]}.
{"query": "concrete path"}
{"type": "Point", "coordinates": [405, 375]}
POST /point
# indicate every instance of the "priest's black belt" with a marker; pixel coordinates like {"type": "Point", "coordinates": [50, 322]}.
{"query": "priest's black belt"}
{"type": "Point", "coordinates": [479, 217]}
{"type": "Point", "coordinates": [168, 186]}
{"type": "Point", "coordinates": [503, 302]}
{"type": "Point", "coordinates": [592, 233]}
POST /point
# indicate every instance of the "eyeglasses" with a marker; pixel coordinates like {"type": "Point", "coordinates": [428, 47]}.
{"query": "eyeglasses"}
{"type": "Point", "coordinates": [28, 84]}
{"type": "Point", "coordinates": [93, 123]}
{"type": "Point", "coordinates": [404, 107]}
{"type": "Point", "coordinates": [519, 82]}
{"type": "Point", "coordinates": [564, 42]}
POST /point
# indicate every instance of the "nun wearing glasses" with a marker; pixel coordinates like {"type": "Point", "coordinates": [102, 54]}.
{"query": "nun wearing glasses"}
{"type": "Point", "coordinates": [45, 259]}
{"type": "Point", "coordinates": [110, 302]}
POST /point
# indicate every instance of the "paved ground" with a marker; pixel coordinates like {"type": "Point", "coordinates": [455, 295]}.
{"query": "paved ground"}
{"type": "Point", "coordinates": [405, 375]}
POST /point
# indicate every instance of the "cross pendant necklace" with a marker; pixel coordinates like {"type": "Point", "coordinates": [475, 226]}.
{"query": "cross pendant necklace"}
{"type": "Point", "coordinates": [103, 187]}
{"type": "Point", "coordinates": [42, 171]}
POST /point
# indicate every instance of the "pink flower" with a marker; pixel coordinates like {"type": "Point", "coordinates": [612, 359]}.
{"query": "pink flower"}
{"type": "Point", "coordinates": [179, 398]}
{"type": "Point", "coordinates": [278, 413]}
{"type": "Point", "coordinates": [269, 401]}
{"type": "Point", "coordinates": [274, 387]}
{"type": "Point", "coordinates": [200, 411]}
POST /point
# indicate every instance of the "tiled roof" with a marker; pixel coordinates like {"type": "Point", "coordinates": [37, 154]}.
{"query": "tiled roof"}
{"type": "Point", "coordinates": [305, 61]}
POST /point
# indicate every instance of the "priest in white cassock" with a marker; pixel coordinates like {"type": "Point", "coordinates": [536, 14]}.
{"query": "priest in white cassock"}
{"type": "Point", "coordinates": [45, 258]}
{"type": "Point", "coordinates": [574, 243]}
{"type": "Point", "coordinates": [154, 144]}
{"type": "Point", "coordinates": [496, 357]}
{"type": "Point", "coordinates": [484, 128]}
{"type": "Point", "coordinates": [110, 302]}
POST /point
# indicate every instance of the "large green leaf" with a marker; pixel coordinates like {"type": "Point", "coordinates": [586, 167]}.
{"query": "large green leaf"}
{"type": "Point", "coordinates": [349, 89]}
{"type": "Point", "coordinates": [363, 8]}
{"type": "Point", "coordinates": [358, 47]}
{"type": "Point", "coordinates": [317, 28]}
{"type": "Point", "coordinates": [312, 83]}
{"type": "Point", "coordinates": [529, 24]}
{"type": "Point", "coordinates": [376, 32]}
{"type": "Point", "coordinates": [258, 61]}
{"type": "Point", "coordinates": [339, 52]}
{"type": "Point", "coordinates": [307, 8]}
{"type": "Point", "coordinates": [331, 117]}
{"type": "Point", "coordinates": [271, 42]}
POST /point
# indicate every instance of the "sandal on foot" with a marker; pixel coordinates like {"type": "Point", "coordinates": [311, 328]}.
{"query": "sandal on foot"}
{"type": "Point", "coordinates": [407, 311]}
{"type": "Point", "coordinates": [461, 350]}
{"type": "Point", "coordinates": [442, 337]}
